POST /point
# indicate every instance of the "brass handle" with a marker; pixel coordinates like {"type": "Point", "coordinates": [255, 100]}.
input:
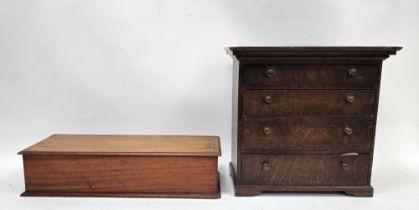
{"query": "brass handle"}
{"type": "Point", "coordinates": [268, 73]}
{"type": "Point", "coordinates": [268, 99]}
{"type": "Point", "coordinates": [349, 154]}
{"type": "Point", "coordinates": [267, 130]}
{"type": "Point", "coordinates": [345, 166]}
{"type": "Point", "coordinates": [265, 166]}
{"type": "Point", "coordinates": [350, 99]}
{"type": "Point", "coordinates": [353, 72]}
{"type": "Point", "coordinates": [348, 130]}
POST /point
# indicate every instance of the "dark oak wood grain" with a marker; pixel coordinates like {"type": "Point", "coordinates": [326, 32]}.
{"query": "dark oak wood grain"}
{"type": "Point", "coordinates": [304, 118]}
{"type": "Point", "coordinates": [79, 165]}
{"type": "Point", "coordinates": [252, 190]}
{"type": "Point", "coordinates": [305, 170]}
{"type": "Point", "coordinates": [306, 134]}
{"type": "Point", "coordinates": [309, 102]}
{"type": "Point", "coordinates": [372, 52]}
{"type": "Point", "coordinates": [297, 76]}
{"type": "Point", "coordinates": [236, 116]}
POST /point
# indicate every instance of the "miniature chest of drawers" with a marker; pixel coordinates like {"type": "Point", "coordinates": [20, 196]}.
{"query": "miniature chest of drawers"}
{"type": "Point", "coordinates": [123, 166]}
{"type": "Point", "coordinates": [304, 118]}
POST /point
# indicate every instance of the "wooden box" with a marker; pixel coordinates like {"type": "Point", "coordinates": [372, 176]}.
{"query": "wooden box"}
{"type": "Point", "coordinates": [304, 118]}
{"type": "Point", "coordinates": [123, 166]}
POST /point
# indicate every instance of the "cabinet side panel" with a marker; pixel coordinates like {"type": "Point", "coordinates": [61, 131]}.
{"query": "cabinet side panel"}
{"type": "Point", "coordinates": [235, 119]}
{"type": "Point", "coordinates": [123, 174]}
{"type": "Point", "coordinates": [379, 66]}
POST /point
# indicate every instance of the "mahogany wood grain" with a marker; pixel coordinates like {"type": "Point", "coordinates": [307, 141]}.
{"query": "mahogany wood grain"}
{"type": "Point", "coordinates": [127, 145]}
{"type": "Point", "coordinates": [123, 166]}
{"type": "Point", "coordinates": [82, 173]}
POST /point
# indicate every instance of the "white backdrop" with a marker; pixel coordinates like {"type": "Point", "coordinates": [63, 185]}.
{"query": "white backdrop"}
{"type": "Point", "coordinates": [159, 67]}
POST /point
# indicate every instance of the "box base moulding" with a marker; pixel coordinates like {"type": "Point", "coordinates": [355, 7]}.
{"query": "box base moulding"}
{"type": "Point", "coordinates": [128, 194]}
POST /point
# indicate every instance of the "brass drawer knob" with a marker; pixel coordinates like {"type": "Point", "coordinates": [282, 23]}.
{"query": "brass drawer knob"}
{"type": "Point", "coordinates": [267, 130]}
{"type": "Point", "coordinates": [348, 130]}
{"type": "Point", "coordinates": [265, 166]}
{"type": "Point", "coordinates": [353, 72]}
{"type": "Point", "coordinates": [268, 73]}
{"type": "Point", "coordinates": [345, 166]}
{"type": "Point", "coordinates": [268, 99]}
{"type": "Point", "coordinates": [350, 99]}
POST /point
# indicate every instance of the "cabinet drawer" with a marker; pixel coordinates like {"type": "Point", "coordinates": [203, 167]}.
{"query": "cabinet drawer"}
{"type": "Point", "coordinates": [306, 134]}
{"type": "Point", "coordinates": [354, 103]}
{"type": "Point", "coordinates": [306, 170]}
{"type": "Point", "coordinates": [311, 76]}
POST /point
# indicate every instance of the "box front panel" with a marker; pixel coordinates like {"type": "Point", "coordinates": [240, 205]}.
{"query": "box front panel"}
{"type": "Point", "coordinates": [120, 174]}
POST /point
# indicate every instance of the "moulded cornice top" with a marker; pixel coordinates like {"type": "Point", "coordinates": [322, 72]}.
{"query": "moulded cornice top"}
{"type": "Point", "coordinates": [335, 51]}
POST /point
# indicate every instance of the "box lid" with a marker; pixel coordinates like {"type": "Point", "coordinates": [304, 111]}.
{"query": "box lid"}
{"type": "Point", "coordinates": [144, 145]}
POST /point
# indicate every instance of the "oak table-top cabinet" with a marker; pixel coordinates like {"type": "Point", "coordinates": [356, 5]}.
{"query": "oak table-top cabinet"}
{"type": "Point", "coordinates": [304, 118]}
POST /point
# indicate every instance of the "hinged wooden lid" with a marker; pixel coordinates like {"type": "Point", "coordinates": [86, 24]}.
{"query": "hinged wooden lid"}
{"type": "Point", "coordinates": [144, 145]}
